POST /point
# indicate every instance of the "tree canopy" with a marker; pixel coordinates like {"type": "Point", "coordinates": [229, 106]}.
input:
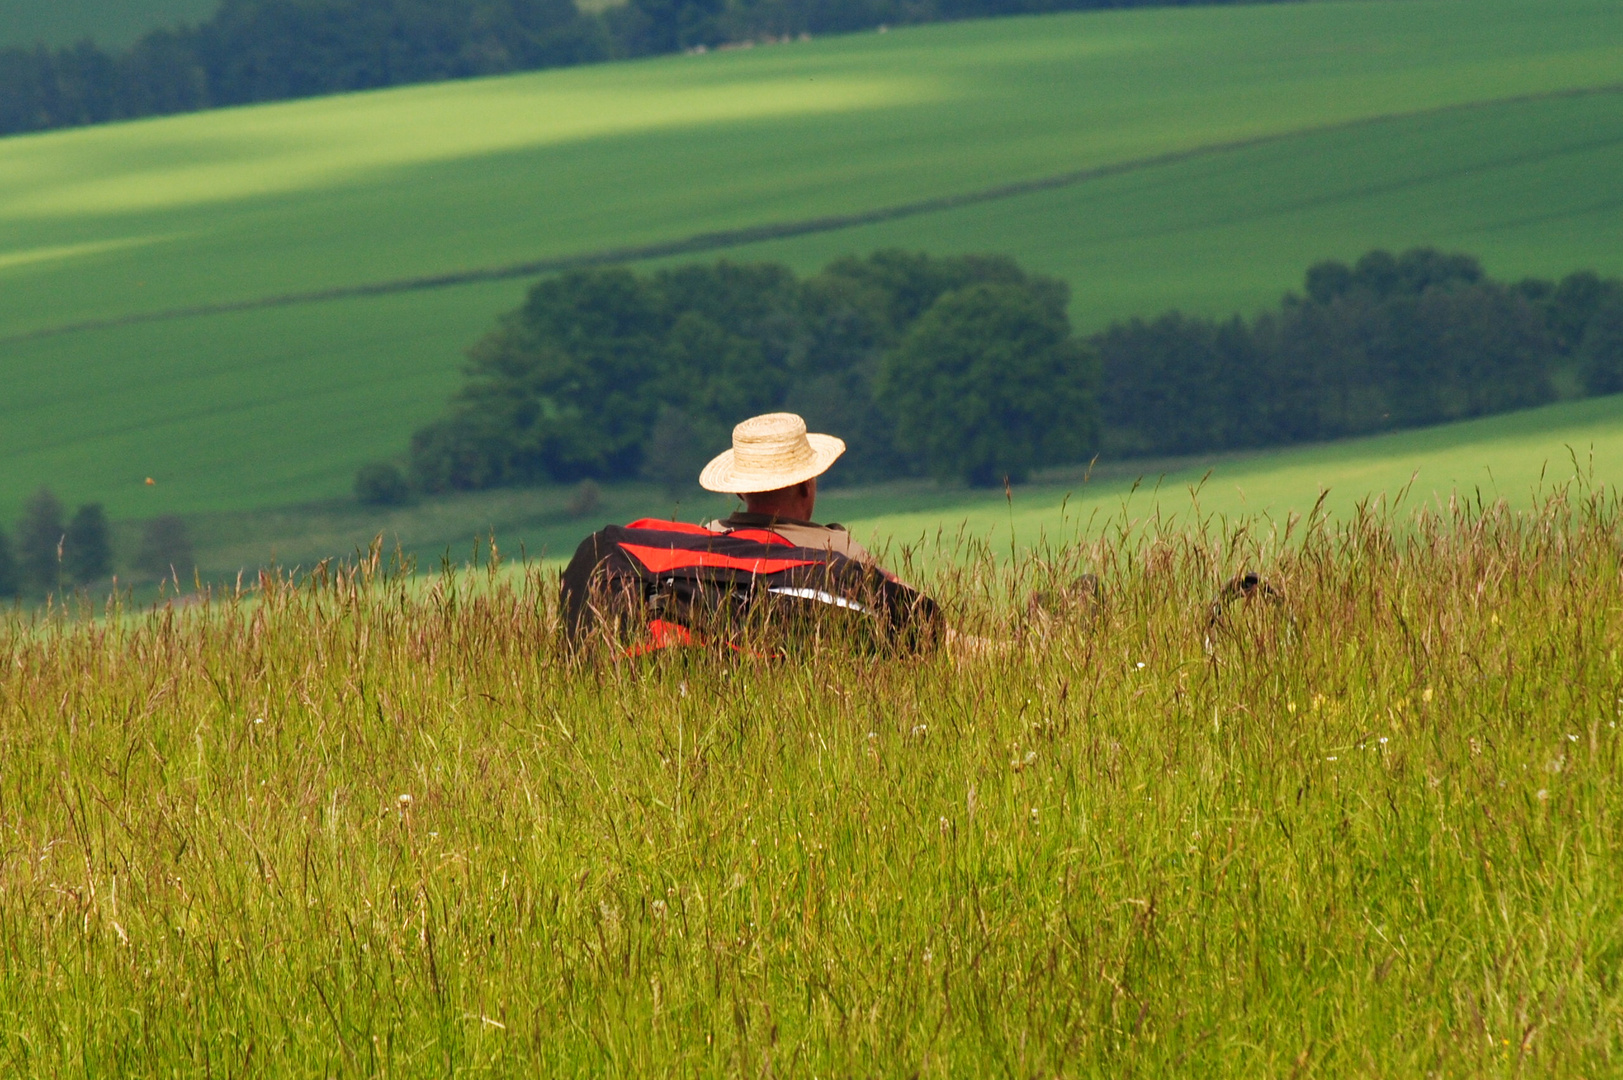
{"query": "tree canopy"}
{"type": "Point", "coordinates": [607, 374]}
{"type": "Point", "coordinates": [988, 384]}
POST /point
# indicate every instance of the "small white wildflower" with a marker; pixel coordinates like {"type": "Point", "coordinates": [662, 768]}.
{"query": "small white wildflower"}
{"type": "Point", "coordinates": [259, 719]}
{"type": "Point", "coordinates": [920, 730]}
{"type": "Point", "coordinates": [659, 909]}
{"type": "Point", "coordinates": [873, 735]}
{"type": "Point", "coordinates": [1141, 665]}
{"type": "Point", "coordinates": [1383, 740]}
{"type": "Point", "coordinates": [1332, 757]}
{"type": "Point", "coordinates": [404, 799]}
{"type": "Point", "coordinates": [1543, 794]}
{"type": "Point", "coordinates": [1033, 813]}
{"type": "Point", "coordinates": [1572, 738]}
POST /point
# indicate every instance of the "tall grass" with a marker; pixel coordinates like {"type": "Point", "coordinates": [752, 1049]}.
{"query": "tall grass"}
{"type": "Point", "coordinates": [352, 826]}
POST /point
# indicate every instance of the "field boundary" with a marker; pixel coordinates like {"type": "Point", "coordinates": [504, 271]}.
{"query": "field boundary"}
{"type": "Point", "coordinates": [721, 240]}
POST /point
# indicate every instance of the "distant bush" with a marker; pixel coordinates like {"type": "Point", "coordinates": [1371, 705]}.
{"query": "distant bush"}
{"type": "Point", "coordinates": [53, 554]}
{"type": "Point", "coordinates": [381, 484]}
{"type": "Point", "coordinates": [166, 548]}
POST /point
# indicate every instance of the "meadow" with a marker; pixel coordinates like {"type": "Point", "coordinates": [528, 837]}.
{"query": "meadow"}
{"type": "Point", "coordinates": [355, 826]}
{"type": "Point", "coordinates": [1231, 147]}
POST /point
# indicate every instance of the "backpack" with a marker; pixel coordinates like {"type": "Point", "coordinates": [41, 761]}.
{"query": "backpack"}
{"type": "Point", "coordinates": [654, 585]}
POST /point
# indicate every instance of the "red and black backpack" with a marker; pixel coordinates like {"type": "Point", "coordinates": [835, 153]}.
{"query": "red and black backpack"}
{"type": "Point", "coordinates": [655, 584]}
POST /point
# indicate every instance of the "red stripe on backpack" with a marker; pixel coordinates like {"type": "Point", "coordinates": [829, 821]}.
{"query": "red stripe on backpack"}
{"type": "Point", "coordinates": [662, 560]}
{"type": "Point", "coordinates": [656, 525]}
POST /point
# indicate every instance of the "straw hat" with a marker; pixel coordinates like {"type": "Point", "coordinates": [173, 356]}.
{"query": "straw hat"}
{"type": "Point", "coordinates": [770, 452]}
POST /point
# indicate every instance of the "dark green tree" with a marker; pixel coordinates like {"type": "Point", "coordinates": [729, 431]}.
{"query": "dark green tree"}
{"type": "Point", "coordinates": [989, 384]}
{"type": "Point", "coordinates": [40, 538]}
{"type": "Point", "coordinates": [87, 547]}
{"type": "Point", "coordinates": [563, 389]}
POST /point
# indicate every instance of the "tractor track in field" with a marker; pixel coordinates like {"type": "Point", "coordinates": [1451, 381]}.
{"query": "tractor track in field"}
{"type": "Point", "coordinates": [724, 239]}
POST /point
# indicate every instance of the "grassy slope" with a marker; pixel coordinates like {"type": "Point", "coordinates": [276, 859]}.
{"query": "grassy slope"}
{"type": "Point", "coordinates": [1506, 457]}
{"type": "Point", "coordinates": [397, 831]}
{"type": "Point", "coordinates": [1514, 458]}
{"type": "Point", "coordinates": [279, 406]}
{"type": "Point", "coordinates": [108, 22]}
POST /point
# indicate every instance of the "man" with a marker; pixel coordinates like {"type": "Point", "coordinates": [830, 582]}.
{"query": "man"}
{"type": "Point", "coordinates": [773, 466]}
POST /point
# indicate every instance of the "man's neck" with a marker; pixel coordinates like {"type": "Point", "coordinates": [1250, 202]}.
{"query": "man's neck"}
{"type": "Point", "coordinates": [760, 517]}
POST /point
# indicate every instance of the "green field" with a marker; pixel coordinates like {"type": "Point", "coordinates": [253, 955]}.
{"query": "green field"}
{"type": "Point", "coordinates": [395, 828]}
{"type": "Point", "coordinates": [1518, 459]}
{"type": "Point", "coordinates": [107, 22]}
{"type": "Point", "coordinates": [1489, 125]}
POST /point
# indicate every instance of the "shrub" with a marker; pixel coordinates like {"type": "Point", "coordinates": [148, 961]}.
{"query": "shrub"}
{"type": "Point", "coordinates": [381, 484]}
{"type": "Point", "coordinates": [166, 548]}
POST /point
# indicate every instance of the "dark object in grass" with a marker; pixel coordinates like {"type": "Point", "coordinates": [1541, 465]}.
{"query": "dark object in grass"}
{"type": "Point", "coordinates": [1081, 602]}
{"type": "Point", "coordinates": [1241, 594]}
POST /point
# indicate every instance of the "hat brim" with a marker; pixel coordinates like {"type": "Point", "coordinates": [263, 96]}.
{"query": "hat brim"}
{"type": "Point", "coordinates": [724, 475]}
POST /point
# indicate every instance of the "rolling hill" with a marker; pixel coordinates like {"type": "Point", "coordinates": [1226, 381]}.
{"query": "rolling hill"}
{"type": "Point", "coordinates": [106, 22]}
{"type": "Point", "coordinates": [244, 305]}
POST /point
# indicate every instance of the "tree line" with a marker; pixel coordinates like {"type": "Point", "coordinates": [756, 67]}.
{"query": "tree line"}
{"type": "Point", "coordinates": [54, 553]}
{"type": "Point", "coordinates": [966, 367]}
{"type": "Point", "coordinates": [1388, 342]}
{"type": "Point", "coordinates": [958, 366]}
{"type": "Point", "coordinates": [271, 50]}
